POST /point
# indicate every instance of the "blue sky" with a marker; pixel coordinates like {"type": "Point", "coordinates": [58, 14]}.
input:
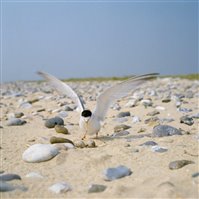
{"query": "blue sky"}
{"type": "Point", "coordinates": [103, 38]}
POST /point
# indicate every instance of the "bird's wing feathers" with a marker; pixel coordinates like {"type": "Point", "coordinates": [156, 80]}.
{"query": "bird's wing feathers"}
{"type": "Point", "coordinates": [63, 88]}
{"type": "Point", "coordinates": [108, 97]}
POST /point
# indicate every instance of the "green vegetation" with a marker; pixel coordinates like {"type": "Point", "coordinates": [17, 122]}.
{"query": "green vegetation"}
{"type": "Point", "coordinates": [188, 76]}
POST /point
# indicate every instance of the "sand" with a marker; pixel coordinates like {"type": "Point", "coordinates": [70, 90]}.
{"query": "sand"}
{"type": "Point", "coordinates": [80, 167]}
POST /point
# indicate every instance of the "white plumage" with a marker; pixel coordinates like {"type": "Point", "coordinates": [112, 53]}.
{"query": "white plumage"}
{"type": "Point", "coordinates": [90, 123]}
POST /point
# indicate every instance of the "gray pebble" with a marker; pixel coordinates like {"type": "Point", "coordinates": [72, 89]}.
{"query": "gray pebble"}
{"type": "Point", "coordinates": [121, 127]}
{"type": "Point", "coordinates": [60, 187]}
{"type": "Point", "coordinates": [194, 175]}
{"type": "Point", "coordinates": [121, 119]}
{"type": "Point", "coordinates": [63, 114]}
{"type": "Point", "coordinates": [15, 122]}
{"type": "Point", "coordinates": [90, 144]}
{"type": "Point", "coordinates": [179, 164]}
{"type": "Point", "coordinates": [184, 110]}
{"type": "Point", "coordinates": [151, 120]}
{"type": "Point", "coordinates": [116, 173]}
{"type": "Point", "coordinates": [149, 143]}
{"type": "Point", "coordinates": [123, 114]}
{"type": "Point", "coordinates": [147, 102]}
{"type": "Point", "coordinates": [96, 188]}
{"type": "Point", "coordinates": [165, 130]}
{"type": "Point", "coordinates": [52, 122]}
{"type": "Point", "coordinates": [155, 112]}
{"type": "Point", "coordinates": [136, 119]}
{"type": "Point", "coordinates": [79, 144]}
{"type": "Point", "coordinates": [4, 187]}
{"type": "Point", "coordinates": [18, 114]}
{"type": "Point", "coordinates": [25, 105]}
{"type": "Point", "coordinates": [187, 120]}
{"type": "Point", "coordinates": [34, 175]}
{"type": "Point", "coordinates": [166, 120]}
{"type": "Point", "coordinates": [120, 133]}
{"type": "Point", "coordinates": [159, 149]}
{"type": "Point", "coordinates": [9, 177]}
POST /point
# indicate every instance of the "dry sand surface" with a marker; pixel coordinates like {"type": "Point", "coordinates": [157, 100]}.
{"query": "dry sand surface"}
{"type": "Point", "coordinates": [151, 176]}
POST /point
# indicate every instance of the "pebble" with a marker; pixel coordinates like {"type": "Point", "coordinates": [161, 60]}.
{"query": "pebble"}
{"type": "Point", "coordinates": [123, 114]}
{"type": "Point", "coordinates": [141, 130]}
{"type": "Point", "coordinates": [179, 164]}
{"type": "Point", "coordinates": [165, 130]}
{"type": "Point", "coordinates": [166, 120]}
{"type": "Point", "coordinates": [69, 146]}
{"type": "Point", "coordinates": [34, 175]}
{"type": "Point", "coordinates": [158, 149]}
{"type": "Point", "coordinates": [68, 108]}
{"type": "Point", "coordinates": [194, 175]}
{"type": "Point", "coordinates": [147, 102]}
{"type": "Point", "coordinates": [121, 120]}
{"type": "Point", "coordinates": [54, 140]}
{"type": "Point", "coordinates": [96, 188]}
{"type": "Point", "coordinates": [9, 177]}
{"type": "Point", "coordinates": [90, 144]}
{"type": "Point", "coordinates": [136, 119]}
{"type": "Point", "coordinates": [60, 187]}
{"type": "Point", "coordinates": [121, 127]}
{"type": "Point", "coordinates": [25, 105]}
{"type": "Point", "coordinates": [151, 120]}
{"type": "Point", "coordinates": [39, 153]}
{"type": "Point", "coordinates": [18, 115]}
{"type": "Point", "coordinates": [166, 100]}
{"type": "Point", "coordinates": [79, 144]}
{"type": "Point", "coordinates": [116, 173]}
{"type": "Point", "coordinates": [153, 113]}
{"type": "Point", "coordinates": [187, 120]}
{"type": "Point", "coordinates": [120, 133]}
{"type": "Point", "coordinates": [149, 143]}
{"type": "Point", "coordinates": [196, 116]}
{"type": "Point", "coordinates": [131, 103]}
{"type": "Point", "coordinates": [15, 122]}
{"type": "Point", "coordinates": [63, 114]}
{"type": "Point", "coordinates": [184, 110]}
{"type": "Point", "coordinates": [52, 122]}
{"type": "Point", "coordinates": [161, 108]}
{"type": "Point", "coordinates": [61, 129]}
{"type": "Point", "coordinates": [4, 187]}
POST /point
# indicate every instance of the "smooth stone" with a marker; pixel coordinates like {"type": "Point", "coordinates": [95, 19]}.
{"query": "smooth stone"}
{"type": "Point", "coordinates": [54, 140]}
{"type": "Point", "coordinates": [60, 187]}
{"type": "Point", "coordinates": [131, 103]}
{"type": "Point", "coordinates": [4, 187]}
{"type": "Point", "coordinates": [161, 108]}
{"type": "Point", "coordinates": [178, 104]}
{"type": "Point", "coordinates": [124, 114]}
{"type": "Point", "coordinates": [18, 115]}
{"type": "Point", "coordinates": [166, 100]}
{"type": "Point", "coordinates": [116, 173]}
{"type": "Point", "coordinates": [196, 116]}
{"type": "Point", "coordinates": [52, 122]}
{"type": "Point", "coordinates": [61, 129]}
{"type": "Point", "coordinates": [136, 119]}
{"type": "Point", "coordinates": [79, 144]}
{"type": "Point", "coordinates": [68, 108]}
{"type": "Point", "coordinates": [187, 120]}
{"type": "Point", "coordinates": [165, 130]}
{"type": "Point", "coordinates": [185, 110]}
{"type": "Point", "coordinates": [33, 100]}
{"type": "Point", "coordinates": [141, 130]}
{"type": "Point", "coordinates": [15, 122]}
{"type": "Point", "coordinates": [96, 188]}
{"type": "Point", "coordinates": [179, 164]}
{"type": "Point", "coordinates": [166, 120]}
{"type": "Point", "coordinates": [116, 107]}
{"type": "Point", "coordinates": [25, 105]}
{"type": "Point", "coordinates": [146, 102]}
{"type": "Point", "coordinates": [149, 143]}
{"type": "Point", "coordinates": [69, 146]}
{"type": "Point", "coordinates": [194, 175]}
{"type": "Point", "coordinates": [153, 113]}
{"type": "Point", "coordinates": [63, 114]}
{"type": "Point", "coordinates": [158, 149]}
{"type": "Point", "coordinates": [151, 120]}
{"type": "Point", "coordinates": [34, 175]}
{"type": "Point", "coordinates": [121, 127]}
{"type": "Point", "coordinates": [39, 153]}
{"type": "Point", "coordinates": [9, 177]}
{"type": "Point", "coordinates": [120, 133]}
{"type": "Point", "coordinates": [90, 144]}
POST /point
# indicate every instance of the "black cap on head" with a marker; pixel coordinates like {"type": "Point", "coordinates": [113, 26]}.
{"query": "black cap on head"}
{"type": "Point", "coordinates": [86, 113]}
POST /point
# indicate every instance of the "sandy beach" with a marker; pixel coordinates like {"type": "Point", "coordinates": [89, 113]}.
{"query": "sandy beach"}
{"type": "Point", "coordinates": [151, 175]}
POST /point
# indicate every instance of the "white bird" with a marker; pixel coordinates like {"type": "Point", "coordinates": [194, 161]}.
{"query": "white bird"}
{"type": "Point", "coordinates": [90, 122]}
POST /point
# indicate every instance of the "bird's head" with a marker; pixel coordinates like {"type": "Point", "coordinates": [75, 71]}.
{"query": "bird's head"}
{"type": "Point", "coordinates": [86, 114]}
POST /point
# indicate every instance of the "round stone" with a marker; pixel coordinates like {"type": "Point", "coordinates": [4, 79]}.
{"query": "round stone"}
{"type": "Point", "coordinates": [61, 129]}
{"type": "Point", "coordinates": [52, 122]}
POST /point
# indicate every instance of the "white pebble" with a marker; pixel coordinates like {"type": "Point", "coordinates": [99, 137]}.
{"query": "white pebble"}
{"type": "Point", "coordinates": [60, 187]}
{"type": "Point", "coordinates": [160, 108]}
{"type": "Point", "coordinates": [34, 175]}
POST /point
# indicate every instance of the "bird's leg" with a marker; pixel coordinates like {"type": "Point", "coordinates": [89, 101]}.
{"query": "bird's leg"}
{"type": "Point", "coordinates": [96, 135]}
{"type": "Point", "coordinates": [84, 136]}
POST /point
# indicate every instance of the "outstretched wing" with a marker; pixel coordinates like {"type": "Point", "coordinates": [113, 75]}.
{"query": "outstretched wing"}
{"type": "Point", "coordinates": [109, 96]}
{"type": "Point", "coordinates": [63, 88]}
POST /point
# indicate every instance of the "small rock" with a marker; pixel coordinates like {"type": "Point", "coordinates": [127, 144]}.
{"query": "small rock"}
{"type": "Point", "coordinates": [141, 130]}
{"type": "Point", "coordinates": [165, 130]}
{"type": "Point", "coordinates": [121, 127]}
{"type": "Point", "coordinates": [63, 114]}
{"type": "Point", "coordinates": [79, 144]}
{"type": "Point", "coordinates": [121, 120]}
{"type": "Point", "coordinates": [131, 103]}
{"type": "Point", "coordinates": [90, 144]}
{"type": "Point", "coordinates": [60, 187]}
{"type": "Point", "coordinates": [115, 173]}
{"type": "Point", "coordinates": [166, 120]}
{"type": "Point", "coordinates": [18, 115]}
{"type": "Point", "coordinates": [9, 177]}
{"type": "Point", "coordinates": [96, 188]}
{"type": "Point", "coordinates": [33, 100]}
{"type": "Point", "coordinates": [68, 108]}
{"type": "Point", "coordinates": [136, 119]}
{"type": "Point", "coordinates": [68, 146]}
{"type": "Point", "coordinates": [120, 133]}
{"type": "Point", "coordinates": [61, 129]}
{"type": "Point", "coordinates": [161, 108]}
{"type": "Point", "coordinates": [4, 187]}
{"type": "Point", "coordinates": [116, 107]}
{"type": "Point", "coordinates": [149, 143]}
{"type": "Point", "coordinates": [166, 100]}
{"type": "Point", "coordinates": [123, 114]}
{"type": "Point", "coordinates": [179, 164]}
{"type": "Point", "coordinates": [194, 175]}
{"type": "Point", "coordinates": [54, 140]}
{"type": "Point", "coordinates": [158, 149]}
{"type": "Point", "coordinates": [151, 120]}
{"type": "Point", "coordinates": [155, 112]}
{"type": "Point", "coordinates": [34, 175]}
{"type": "Point", "coordinates": [187, 120]}
{"type": "Point", "coordinates": [39, 153]}
{"type": "Point", "coordinates": [25, 105]}
{"type": "Point", "coordinates": [15, 122]}
{"type": "Point", "coordinates": [184, 110]}
{"type": "Point", "coordinates": [51, 123]}
{"type": "Point", "coordinates": [147, 102]}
